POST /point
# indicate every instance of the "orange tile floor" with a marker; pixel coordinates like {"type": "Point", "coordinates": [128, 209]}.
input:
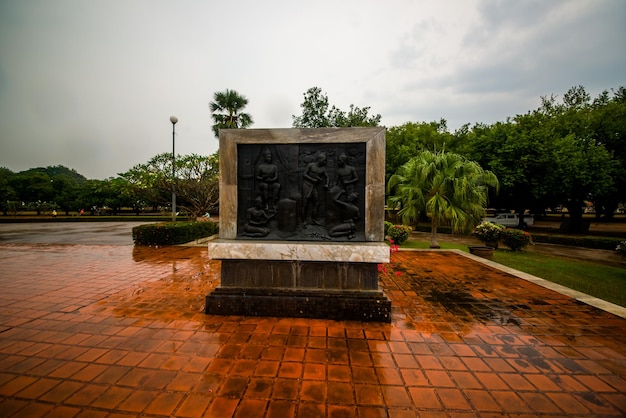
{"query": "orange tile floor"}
{"type": "Point", "coordinates": [117, 331]}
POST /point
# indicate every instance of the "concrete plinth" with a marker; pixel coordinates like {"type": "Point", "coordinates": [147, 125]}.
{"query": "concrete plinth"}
{"type": "Point", "coordinates": [339, 305]}
{"type": "Point", "coordinates": [325, 280]}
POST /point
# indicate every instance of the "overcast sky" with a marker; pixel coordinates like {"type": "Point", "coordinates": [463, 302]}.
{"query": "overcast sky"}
{"type": "Point", "coordinates": [91, 84]}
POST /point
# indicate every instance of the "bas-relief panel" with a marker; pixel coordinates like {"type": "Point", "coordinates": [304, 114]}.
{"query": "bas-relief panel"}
{"type": "Point", "coordinates": [304, 192]}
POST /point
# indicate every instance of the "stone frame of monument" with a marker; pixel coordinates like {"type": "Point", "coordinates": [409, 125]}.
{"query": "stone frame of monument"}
{"type": "Point", "coordinates": [302, 272]}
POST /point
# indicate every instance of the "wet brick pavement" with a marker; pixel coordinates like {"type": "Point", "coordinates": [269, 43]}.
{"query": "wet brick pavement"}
{"type": "Point", "coordinates": [117, 331]}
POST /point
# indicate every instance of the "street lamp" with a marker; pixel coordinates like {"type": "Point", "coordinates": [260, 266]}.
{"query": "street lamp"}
{"type": "Point", "coordinates": [173, 119]}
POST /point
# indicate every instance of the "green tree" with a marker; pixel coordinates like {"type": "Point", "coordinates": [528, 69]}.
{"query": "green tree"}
{"type": "Point", "coordinates": [581, 168]}
{"type": "Point", "coordinates": [46, 188]}
{"type": "Point", "coordinates": [33, 187]}
{"type": "Point", "coordinates": [406, 141]}
{"type": "Point", "coordinates": [7, 193]}
{"type": "Point", "coordinates": [66, 191]}
{"type": "Point", "coordinates": [227, 111]}
{"type": "Point", "coordinates": [608, 121]}
{"type": "Point", "coordinates": [445, 186]}
{"type": "Point", "coordinates": [515, 152]}
{"type": "Point", "coordinates": [196, 182]}
{"type": "Point", "coordinates": [557, 154]}
{"type": "Point", "coordinates": [578, 172]}
{"type": "Point", "coordinates": [317, 114]}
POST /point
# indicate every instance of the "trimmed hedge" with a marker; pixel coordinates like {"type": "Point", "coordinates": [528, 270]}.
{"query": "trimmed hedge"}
{"type": "Point", "coordinates": [173, 233]}
{"type": "Point", "coordinates": [596, 242]}
{"type": "Point", "coordinates": [600, 243]}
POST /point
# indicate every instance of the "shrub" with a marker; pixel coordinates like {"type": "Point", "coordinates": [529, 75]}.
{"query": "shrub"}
{"type": "Point", "coordinates": [387, 226]}
{"type": "Point", "coordinates": [168, 233]}
{"type": "Point", "coordinates": [399, 233]}
{"type": "Point", "coordinates": [515, 239]}
{"type": "Point", "coordinates": [488, 232]}
{"type": "Point", "coordinates": [621, 248]}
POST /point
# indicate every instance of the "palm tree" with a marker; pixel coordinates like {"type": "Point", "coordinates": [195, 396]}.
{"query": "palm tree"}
{"type": "Point", "coordinates": [226, 108]}
{"type": "Point", "coordinates": [445, 186]}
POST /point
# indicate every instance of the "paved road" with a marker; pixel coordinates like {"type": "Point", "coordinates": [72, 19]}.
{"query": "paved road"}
{"type": "Point", "coordinates": [86, 233]}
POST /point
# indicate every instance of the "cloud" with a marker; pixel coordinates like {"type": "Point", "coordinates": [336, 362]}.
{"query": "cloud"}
{"type": "Point", "coordinates": [92, 85]}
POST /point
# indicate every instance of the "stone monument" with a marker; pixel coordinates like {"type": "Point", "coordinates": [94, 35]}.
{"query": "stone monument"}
{"type": "Point", "coordinates": [301, 224]}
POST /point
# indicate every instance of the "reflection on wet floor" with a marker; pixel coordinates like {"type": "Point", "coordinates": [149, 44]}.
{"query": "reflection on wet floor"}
{"type": "Point", "coordinates": [93, 330]}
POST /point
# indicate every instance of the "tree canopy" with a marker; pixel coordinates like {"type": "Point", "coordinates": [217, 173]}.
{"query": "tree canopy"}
{"type": "Point", "coordinates": [569, 151]}
{"type": "Point", "coordinates": [196, 182]}
{"type": "Point", "coordinates": [562, 153]}
{"type": "Point", "coordinates": [317, 114]}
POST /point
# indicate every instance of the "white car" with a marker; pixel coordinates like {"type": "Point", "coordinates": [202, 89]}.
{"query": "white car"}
{"type": "Point", "coordinates": [510, 220]}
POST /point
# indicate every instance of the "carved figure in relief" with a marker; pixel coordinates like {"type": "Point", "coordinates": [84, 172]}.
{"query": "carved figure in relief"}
{"type": "Point", "coordinates": [256, 220]}
{"type": "Point", "coordinates": [350, 214]}
{"type": "Point", "coordinates": [267, 175]}
{"type": "Point", "coordinates": [346, 175]}
{"type": "Point", "coordinates": [314, 179]}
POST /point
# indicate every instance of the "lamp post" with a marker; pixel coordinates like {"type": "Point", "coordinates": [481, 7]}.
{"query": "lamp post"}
{"type": "Point", "coordinates": [173, 119]}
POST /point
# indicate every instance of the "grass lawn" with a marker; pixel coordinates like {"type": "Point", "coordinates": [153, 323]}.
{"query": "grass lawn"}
{"type": "Point", "coordinates": [604, 282]}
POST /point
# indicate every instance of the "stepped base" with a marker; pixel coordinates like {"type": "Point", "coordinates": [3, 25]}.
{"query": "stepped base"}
{"type": "Point", "coordinates": [325, 304]}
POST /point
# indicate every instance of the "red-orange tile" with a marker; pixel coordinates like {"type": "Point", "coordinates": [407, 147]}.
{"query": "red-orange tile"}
{"type": "Point", "coordinates": [222, 407]}
{"type": "Point", "coordinates": [242, 367]}
{"type": "Point", "coordinates": [294, 354]}
{"type": "Point", "coordinates": [138, 400]}
{"type": "Point", "coordinates": [184, 382]}
{"type": "Point", "coordinates": [38, 388]}
{"type": "Point", "coordinates": [341, 411]}
{"type": "Point", "coordinates": [314, 391]}
{"type": "Point", "coordinates": [194, 405]}
{"type": "Point", "coordinates": [61, 392]}
{"type": "Point", "coordinates": [155, 353]}
{"type": "Point", "coordinates": [280, 409]}
{"type": "Point", "coordinates": [290, 370]}
{"type": "Point", "coordinates": [259, 388]}
{"type": "Point", "coordinates": [339, 373]}
{"type": "Point", "coordinates": [389, 376]}
{"type": "Point", "coordinates": [112, 397]}
{"type": "Point", "coordinates": [396, 396]}
{"type": "Point", "coordinates": [510, 402]}
{"type": "Point", "coordinates": [286, 389]}
{"type": "Point", "coordinates": [368, 394]}
{"type": "Point", "coordinates": [233, 387]}
{"type": "Point", "coordinates": [250, 408]}
{"type": "Point", "coordinates": [540, 403]}
{"type": "Point", "coordinates": [164, 403]}
{"type": "Point", "coordinates": [424, 398]}
{"type": "Point", "coordinates": [453, 399]}
{"type": "Point", "coordinates": [481, 400]}
{"type": "Point", "coordinates": [87, 394]}
{"type": "Point", "coordinates": [314, 355]}
{"type": "Point", "coordinates": [314, 371]}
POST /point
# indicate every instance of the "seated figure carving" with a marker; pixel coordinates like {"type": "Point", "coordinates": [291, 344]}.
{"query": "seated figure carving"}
{"type": "Point", "coordinates": [257, 220]}
{"type": "Point", "coordinates": [350, 214]}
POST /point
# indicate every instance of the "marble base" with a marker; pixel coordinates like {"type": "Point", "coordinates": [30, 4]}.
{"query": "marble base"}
{"type": "Point", "coordinates": [357, 252]}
